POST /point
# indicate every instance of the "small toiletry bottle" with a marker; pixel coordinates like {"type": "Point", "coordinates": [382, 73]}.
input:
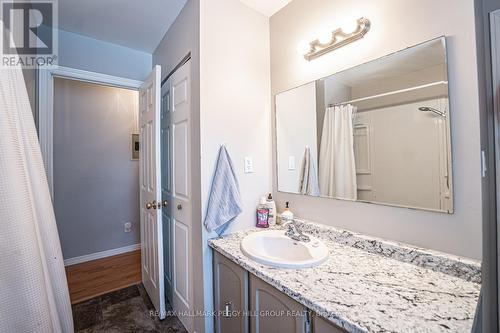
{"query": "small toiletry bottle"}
{"type": "Point", "coordinates": [262, 214]}
{"type": "Point", "coordinates": [271, 205]}
{"type": "Point", "coordinates": [287, 215]}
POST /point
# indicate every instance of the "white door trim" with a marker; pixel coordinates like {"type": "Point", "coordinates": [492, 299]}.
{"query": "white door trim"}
{"type": "Point", "coordinates": [495, 55]}
{"type": "Point", "coordinates": [46, 105]}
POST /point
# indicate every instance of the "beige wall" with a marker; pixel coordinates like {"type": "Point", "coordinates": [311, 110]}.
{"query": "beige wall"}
{"type": "Point", "coordinates": [235, 98]}
{"type": "Point", "coordinates": [235, 106]}
{"type": "Point", "coordinates": [395, 25]}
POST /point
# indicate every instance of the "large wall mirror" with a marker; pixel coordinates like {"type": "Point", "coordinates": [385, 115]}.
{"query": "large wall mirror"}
{"type": "Point", "coordinates": [378, 132]}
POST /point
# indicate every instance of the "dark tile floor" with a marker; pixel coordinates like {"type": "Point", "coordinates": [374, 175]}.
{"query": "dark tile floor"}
{"type": "Point", "coordinates": [122, 311]}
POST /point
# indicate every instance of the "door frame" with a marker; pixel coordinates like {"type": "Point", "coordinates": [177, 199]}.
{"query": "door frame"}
{"type": "Point", "coordinates": [495, 77]}
{"type": "Point", "coordinates": [167, 246]}
{"type": "Point", "coordinates": [45, 105]}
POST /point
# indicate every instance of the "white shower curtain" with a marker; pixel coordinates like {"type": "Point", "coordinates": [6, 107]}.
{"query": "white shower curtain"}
{"type": "Point", "coordinates": [337, 170]}
{"type": "Point", "coordinates": [34, 294]}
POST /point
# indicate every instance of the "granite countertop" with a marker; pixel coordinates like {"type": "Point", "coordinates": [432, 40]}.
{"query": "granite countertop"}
{"type": "Point", "coordinates": [371, 285]}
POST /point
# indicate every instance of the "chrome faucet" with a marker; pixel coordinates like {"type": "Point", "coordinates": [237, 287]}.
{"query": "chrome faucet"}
{"type": "Point", "coordinates": [294, 232]}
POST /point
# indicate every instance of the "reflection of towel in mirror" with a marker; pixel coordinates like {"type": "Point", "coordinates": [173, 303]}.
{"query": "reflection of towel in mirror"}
{"type": "Point", "coordinates": [224, 202]}
{"type": "Point", "coordinates": [308, 183]}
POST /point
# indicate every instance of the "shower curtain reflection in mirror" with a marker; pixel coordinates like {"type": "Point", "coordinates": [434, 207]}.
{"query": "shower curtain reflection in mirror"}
{"type": "Point", "coordinates": [337, 170]}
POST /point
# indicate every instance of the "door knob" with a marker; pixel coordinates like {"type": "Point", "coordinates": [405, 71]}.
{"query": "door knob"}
{"type": "Point", "coordinates": [150, 205]}
{"type": "Point", "coordinates": [164, 203]}
{"type": "Point", "coordinates": [179, 206]}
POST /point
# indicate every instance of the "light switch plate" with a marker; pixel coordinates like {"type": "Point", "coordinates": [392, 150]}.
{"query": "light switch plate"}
{"type": "Point", "coordinates": [248, 166]}
{"type": "Point", "coordinates": [291, 162]}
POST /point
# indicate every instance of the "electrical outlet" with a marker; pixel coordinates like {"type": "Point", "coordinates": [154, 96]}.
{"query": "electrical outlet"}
{"type": "Point", "coordinates": [128, 227]}
{"type": "Point", "coordinates": [248, 166]}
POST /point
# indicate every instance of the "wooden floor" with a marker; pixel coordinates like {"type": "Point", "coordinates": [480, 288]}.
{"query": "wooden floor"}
{"type": "Point", "coordinates": [98, 277]}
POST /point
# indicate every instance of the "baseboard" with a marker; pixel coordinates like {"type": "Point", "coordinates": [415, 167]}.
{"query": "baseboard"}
{"type": "Point", "coordinates": [100, 255]}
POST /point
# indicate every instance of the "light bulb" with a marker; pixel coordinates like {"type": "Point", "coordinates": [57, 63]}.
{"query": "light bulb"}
{"type": "Point", "coordinates": [303, 47]}
{"type": "Point", "coordinates": [349, 26]}
{"type": "Point", "coordinates": [325, 37]}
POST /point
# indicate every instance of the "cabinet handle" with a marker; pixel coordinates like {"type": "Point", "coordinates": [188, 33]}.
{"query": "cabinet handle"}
{"type": "Point", "coordinates": [228, 309]}
{"type": "Point", "coordinates": [307, 322]}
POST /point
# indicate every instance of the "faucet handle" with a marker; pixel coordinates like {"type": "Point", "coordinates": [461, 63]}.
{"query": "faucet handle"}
{"type": "Point", "coordinates": [290, 226]}
{"type": "Point", "coordinates": [304, 238]}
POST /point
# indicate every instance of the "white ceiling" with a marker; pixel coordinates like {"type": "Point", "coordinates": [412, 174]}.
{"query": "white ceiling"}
{"type": "Point", "coordinates": [266, 7]}
{"type": "Point", "coordinates": [136, 24]}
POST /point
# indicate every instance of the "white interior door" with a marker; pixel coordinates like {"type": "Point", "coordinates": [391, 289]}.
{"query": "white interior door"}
{"type": "Point", "coordinates": [180, 113]}
{"type": "Point", "coordinates": [150, 196]}
{"type": "Point", "coordinates": [166, 186]}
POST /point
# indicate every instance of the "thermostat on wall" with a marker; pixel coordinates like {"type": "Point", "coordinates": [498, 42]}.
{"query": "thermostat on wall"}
{"type": "Point", "coordinates": [135, 147]}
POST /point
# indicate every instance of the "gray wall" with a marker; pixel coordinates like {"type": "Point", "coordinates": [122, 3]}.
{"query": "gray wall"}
{"type": "Point", "coordinates": [393, 29]}
{"type": "Point", "coordinates": [29, 76]}
{"type": "Point", "coordinates": [96, 185]}
{"type": "Point", "coordinates": [30, 81]}
{"type": "Point", "coordinates": [85, 53]}
{"type": "Point", "coordinates": [77, 51]}
{"type": "Point", "coordinates": [183, 37]}
{"type": "Point", "coordinates": [82, 52]}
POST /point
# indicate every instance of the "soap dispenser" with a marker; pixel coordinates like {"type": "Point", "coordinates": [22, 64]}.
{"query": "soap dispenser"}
{"type": "Point", "coordinates": [287, 215]}
{"type": "Point", "coordinates": [271, 205]}
{"type": "Point", "coordinates": [262, 214]}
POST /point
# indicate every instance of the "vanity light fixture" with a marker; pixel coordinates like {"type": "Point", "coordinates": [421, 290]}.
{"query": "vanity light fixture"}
{"type": "Point", "coordinates": [333, 40]}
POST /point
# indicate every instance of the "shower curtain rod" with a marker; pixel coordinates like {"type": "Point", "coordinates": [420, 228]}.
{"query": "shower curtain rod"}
{"type": "Point", "coordinates": [391, 93]}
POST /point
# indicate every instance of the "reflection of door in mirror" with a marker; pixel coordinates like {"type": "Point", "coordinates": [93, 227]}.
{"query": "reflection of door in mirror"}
{"type": "Point", "coordinates": [363, 147]}
{"type": "Point", "coordinates": [392, 148]}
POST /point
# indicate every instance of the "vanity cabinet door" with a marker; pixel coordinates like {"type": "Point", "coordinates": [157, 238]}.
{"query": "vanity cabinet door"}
{"type": "Point", "coordinates": [273, 311]}
{"type": "Point", "coordinates": [321, 325]}
{"type": "Point", "coordinates": [230, 296]}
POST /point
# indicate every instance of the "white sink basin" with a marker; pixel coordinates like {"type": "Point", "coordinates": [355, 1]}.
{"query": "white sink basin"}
{"type": "Point", "coordinates": [274, 248]}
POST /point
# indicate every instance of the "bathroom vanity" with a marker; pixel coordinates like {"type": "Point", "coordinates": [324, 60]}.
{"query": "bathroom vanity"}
{"type": "Point", "coordinates": [238, 292]}
{"type": "Point", "coordinates": [365, 285]}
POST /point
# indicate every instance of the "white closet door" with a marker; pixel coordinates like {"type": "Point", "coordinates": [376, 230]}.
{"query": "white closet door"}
{"type": "Point", "coordinates": [150, 196]}
{"type": "Point", "coordinates": [182, 288]}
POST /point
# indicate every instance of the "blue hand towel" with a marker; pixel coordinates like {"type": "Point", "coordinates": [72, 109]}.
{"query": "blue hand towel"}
{"type": "Point", "coordinates": [224, 202]}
